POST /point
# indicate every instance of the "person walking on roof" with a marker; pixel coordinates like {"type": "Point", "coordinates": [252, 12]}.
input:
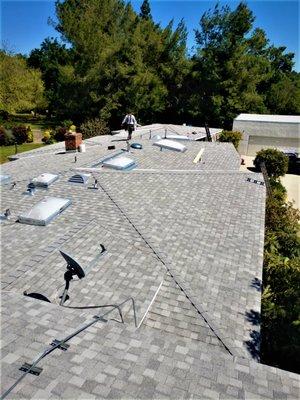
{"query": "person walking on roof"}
{"type": "Point", "coordinates": [129, 123]}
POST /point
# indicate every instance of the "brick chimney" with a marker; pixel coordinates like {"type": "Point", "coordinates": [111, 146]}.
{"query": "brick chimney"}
{"type": "Point", "coordinates": [72, 141]}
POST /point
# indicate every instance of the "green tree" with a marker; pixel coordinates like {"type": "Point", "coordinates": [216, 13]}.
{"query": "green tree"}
{"type": "Point", "coordinates": [283, 96]}
{"type": "Point", "coordinates": [122, 61]}
{"type": "Point", "coordinates": [21, 88]}
{"type": "Point", "coordinates": [49, 59]}
{"type": "Point", "coordinates": [145, 10]}
{"type": "Point", "coordinates": [275, 161]}
{"type": "Point", "coordinates": [233, 137]}
{"type": "Point", "coordinates": [234, 67]}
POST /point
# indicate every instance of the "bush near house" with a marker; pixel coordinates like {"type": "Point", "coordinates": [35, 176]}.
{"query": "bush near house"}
{"type": "Point", "coordinates": [48, 137]}
{"type": "Point", "coordinates": [94, 127]}
{"type": "Point", "coordinates": [233, 137]}
{"type": "Point", "coordinates": [6, 137]}
{"type": "Point", "coordinates": [276, 162]}
{"type": "Point", "coordinates": [280, 323]}
{"type": "Point", "coordinates": [21, 133]}
{"type": "Point", "coordinates": [59, 133]}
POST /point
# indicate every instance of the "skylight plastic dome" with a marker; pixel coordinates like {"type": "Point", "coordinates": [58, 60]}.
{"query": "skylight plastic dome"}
{"type": "Point", "coordinates": [44, 211]}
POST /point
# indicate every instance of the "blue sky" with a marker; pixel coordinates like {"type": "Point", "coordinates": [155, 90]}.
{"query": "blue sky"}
{"type": "Point", "coordinates": [24, 23]}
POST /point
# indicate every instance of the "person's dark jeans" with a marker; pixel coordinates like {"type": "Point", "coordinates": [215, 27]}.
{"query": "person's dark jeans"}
{"type": "Point", "coordinates": [130, 130]}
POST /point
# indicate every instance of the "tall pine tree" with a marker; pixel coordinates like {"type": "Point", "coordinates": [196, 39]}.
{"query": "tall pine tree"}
{"type": "Point", "coordinates": [145, 10]}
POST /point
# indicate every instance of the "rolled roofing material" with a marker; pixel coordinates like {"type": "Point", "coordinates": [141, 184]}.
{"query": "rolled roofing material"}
{"type": "Point", "coordinates": [44, 180]}
{"type": "Point", "coordinates": [44, 211]}
{"type": "Point", "coordinates": [170, 145]}
{"type": "Point", "coordinates": [119, 162]}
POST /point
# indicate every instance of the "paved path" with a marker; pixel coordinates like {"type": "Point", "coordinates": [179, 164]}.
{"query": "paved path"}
{"type": "Point", "coordinates": [37, 135]}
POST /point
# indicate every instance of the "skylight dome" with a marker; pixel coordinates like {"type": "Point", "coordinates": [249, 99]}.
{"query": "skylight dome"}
{"type": "Point", "coordinates": [4, 179]}
{"type": "Point", "coordinates": [119, 163]}
{"type": "Point", "coordinates": [44, 211]}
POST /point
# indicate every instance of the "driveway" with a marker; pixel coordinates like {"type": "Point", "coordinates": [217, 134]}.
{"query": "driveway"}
{"type": "Point", "coordinates": [290, 181]}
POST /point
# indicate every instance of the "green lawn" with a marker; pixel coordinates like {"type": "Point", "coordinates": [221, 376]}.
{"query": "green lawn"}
{"type": "Point", "coordinates": [6, 151]}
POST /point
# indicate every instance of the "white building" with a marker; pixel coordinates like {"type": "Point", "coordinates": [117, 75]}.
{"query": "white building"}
{"type": "Point", "coordinates": [266, 131]}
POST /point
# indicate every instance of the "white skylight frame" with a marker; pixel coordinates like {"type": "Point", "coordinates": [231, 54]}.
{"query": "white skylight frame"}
{"type": "Point", "coordinates": [44, 180]}
{"type": "Point", "coordinates": [170, 145]}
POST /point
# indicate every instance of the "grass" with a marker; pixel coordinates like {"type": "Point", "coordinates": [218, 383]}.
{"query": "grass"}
{"type": "Point", "coordinates": [6, 151]}
{"type": "Point", "coordinates": [38, 122]}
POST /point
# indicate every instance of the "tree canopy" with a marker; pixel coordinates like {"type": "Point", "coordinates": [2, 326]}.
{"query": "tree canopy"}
{"type": "Point", "coordinates": [235, 70]}
{"type": "Point", "coordinates": [111, 59]}
{"type": "Point", "coordinates": [21, 88]}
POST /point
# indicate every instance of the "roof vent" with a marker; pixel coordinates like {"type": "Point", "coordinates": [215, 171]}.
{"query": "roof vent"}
{"type": "Point", "coordinates": [81, 179]}
{"type": "Point", "coordinates": [170, 145]}
{"type": "Point", "coordinates": [44, 211]}
{"type": "Point", "coordinates": [44, 180]}
{"type": "Point", "coordinates": [119, 163]}
{"type": "Point", "coordinates": [137, 146]}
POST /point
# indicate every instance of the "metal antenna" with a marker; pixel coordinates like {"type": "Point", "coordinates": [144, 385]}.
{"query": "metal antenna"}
{"type": "Point", "coordinates": [95, 184]}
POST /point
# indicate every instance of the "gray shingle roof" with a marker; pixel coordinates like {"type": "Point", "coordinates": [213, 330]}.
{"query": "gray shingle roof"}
{"type": "Point", "coordinates": [187, 246]}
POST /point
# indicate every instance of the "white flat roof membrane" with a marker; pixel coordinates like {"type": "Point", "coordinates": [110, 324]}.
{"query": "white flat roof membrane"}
{"type": "Point", "coordinates": [44, 180]}
{"type": "Point", "coordinates": [119, 163]}
{"type": "Point", "coordinates": [291, 119]}
{"type": "Point", "coordinates": [170, 145]}
{"type": "Point", "coordinates": [44, 211]}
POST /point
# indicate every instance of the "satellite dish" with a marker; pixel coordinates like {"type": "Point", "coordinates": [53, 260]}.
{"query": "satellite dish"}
{"type": "Point", "coordinates": [73, 265]}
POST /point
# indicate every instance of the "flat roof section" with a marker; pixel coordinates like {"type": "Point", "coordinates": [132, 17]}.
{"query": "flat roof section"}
{"type": "Point", "coordinates": [289, 119]}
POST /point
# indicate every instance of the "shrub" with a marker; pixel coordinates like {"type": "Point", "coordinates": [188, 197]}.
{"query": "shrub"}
{"type": "Point", "coordinates": [48, 137]}
{"type": "Point", "coordinates": [280, 326]}
{"type": "Point", "coordinates": [72, 128]}
{"type": "Point", "coordinates": [276, 162]}
{"type": "Point", "coordinates": [59, 133]}
{"type": "Point", "coordinates": [94, 127]}
{"type": "Point", "coordinates": [20, 133]}
{"type": "Point", "coordinates": [67, 123]}
{"type": "Point", "coordinates": [29, 135]}
{"type": "Point", "coordinates": [233, 137]}
{"type": "Point", "coordinates": [4, 115]}
{"type": "Point", "coordinates": [6, 137]}
{"type": "Point", "coordinates": [278, 190]}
